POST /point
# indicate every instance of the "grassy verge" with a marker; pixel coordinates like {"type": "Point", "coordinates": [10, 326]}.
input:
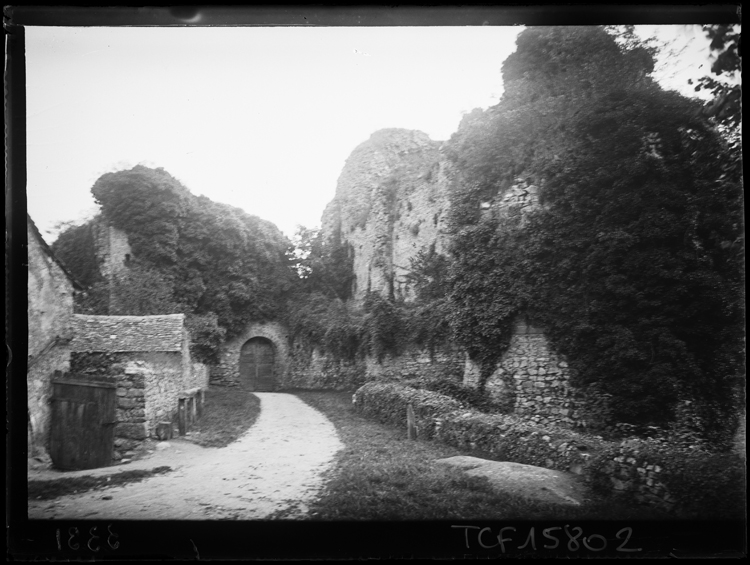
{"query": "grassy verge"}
{"type": "Point", "coordinates": [45, 490]}
{"type": "Point", "coordinates": [228, 413]}
{"type": "Point", "coordinates": [381, 475]}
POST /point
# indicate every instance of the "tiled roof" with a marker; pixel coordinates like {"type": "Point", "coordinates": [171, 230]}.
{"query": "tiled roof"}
{"type": "Point", "coordinates": [127, 333]}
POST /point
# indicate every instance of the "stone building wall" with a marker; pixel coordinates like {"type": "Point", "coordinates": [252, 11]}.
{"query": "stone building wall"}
{"type": "Point", "coordinates": [120, 369]}
{"type": "Point", "coordinates": [111, 245]}
{"type": "Point", "coordinates": [50, 309]}
{"type": "Point", "coordinates": [227, 372]}
{"type": "Point", "coordinates": [164, 379]}
{"type": "Point", "coordinates": [39, 392]}
{"type": "Point", "coordinates": [199, 376]}
{"type": "Point", "coordinates": [148, 386]}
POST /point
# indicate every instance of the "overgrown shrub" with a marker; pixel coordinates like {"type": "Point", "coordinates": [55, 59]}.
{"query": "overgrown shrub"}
{"type": "Point", "coordinates": [384, 325]}
{"type": "Point", "coordinates": [208, 257]}
{"type": "Point", "coordinates": [329, 324]}
{"type": "Point", "coordinates": [707, 485]}
{"type": "Point", "coordinates": [206, 337]}
{"type": "Point", "coordinates": [689, 483]}
{"type": "Point", "coordinates": [388, 403]}
{"type": "Point", "coordinates": [632, 261]}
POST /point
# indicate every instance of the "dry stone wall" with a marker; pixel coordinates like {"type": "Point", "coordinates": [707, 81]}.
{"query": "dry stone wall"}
{"type": "Point", "coordinates": [416, 364]}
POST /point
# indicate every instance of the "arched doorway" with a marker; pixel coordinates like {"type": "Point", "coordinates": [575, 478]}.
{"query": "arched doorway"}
{"type": "Point", "coordinates": [257, 358]}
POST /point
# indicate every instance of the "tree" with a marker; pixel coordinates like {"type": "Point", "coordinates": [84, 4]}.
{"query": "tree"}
{"type": "Point", "coordinates": [191, 254]}
{"type": "Point", "coordinates": [75, 248]}
{"type": "Point", "coordinates": [323, 265]}
{"type": "Point", "coordinates": [724, 86]}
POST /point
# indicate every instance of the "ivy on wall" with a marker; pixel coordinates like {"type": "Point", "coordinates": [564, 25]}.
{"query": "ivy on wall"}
{"type": "Point", "coordinates": [631, 262]}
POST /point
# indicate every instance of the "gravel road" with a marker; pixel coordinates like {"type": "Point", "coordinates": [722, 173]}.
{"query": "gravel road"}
{"type": "Point", "coordinates": [274, 469]}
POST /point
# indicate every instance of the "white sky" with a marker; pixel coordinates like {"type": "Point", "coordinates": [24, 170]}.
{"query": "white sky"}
{"type": "Point", "coordinates": [259, 118]}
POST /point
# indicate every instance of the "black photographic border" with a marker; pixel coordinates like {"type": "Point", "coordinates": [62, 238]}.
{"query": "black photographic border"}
{"type": "Point", "coordinates": [308, 540]}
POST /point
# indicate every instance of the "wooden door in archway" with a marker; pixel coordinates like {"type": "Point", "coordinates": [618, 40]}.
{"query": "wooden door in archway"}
{"type": "Point", "coordinates": [257, 365]}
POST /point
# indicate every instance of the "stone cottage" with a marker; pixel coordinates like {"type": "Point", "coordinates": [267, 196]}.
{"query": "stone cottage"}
{"type": "Point", "coordinates": [51, 288]}
{"type": "Point", "coordinates": [147, 358]}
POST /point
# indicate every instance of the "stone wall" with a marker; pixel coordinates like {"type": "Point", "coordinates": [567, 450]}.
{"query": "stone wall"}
{"type": "Point", "coordinates": [391, 202]}
{"type": "Point", "coordinates": [199, 376]}
{"type": "Point", "coordinates": [50, 309]}
{"type": "Point", "coordinates": [148, 386]}
{"type": "Point", "coordinates": [416, 363]}
{"type": "Point", "coordinates": [164, 380]}
{"type": "Point", "coordinates": [534, 381]}
{"type": "Point", "coordinates": [227, 372]}
{"type": "Point", "coordinates": [536, 378]}
{"type": "Point", "coordinates": [39, 383]}
{"type": "Point", "coordinates": [131, 428]}
{"type": "Point", "coordinates": [112, 247]}
{"type": "Point", "coordinates": [311, 369]}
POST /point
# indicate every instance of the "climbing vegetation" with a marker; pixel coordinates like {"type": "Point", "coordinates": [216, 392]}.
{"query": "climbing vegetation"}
{"type": "Point", "coordinates": [190, 255]}
{"type": "Point", "coordinates": [633, 261]}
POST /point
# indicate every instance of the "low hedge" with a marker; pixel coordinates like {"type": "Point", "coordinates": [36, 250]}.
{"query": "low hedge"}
{"type": "Point", "coordinates": [685, 482]}
{"type": "Point", "coordinates": [388, 402]}
{"type": "Point", "coordinates": [689, 483]}
{"type": "Point", "coordinates": [510, 438]}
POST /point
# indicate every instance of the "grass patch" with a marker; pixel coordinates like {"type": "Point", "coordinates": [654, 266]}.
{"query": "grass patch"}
{"type": "Point", "coordinates": [381, 475]}
{"type": "Point", "coordinates": [45, 490]}
{"type": "Point", "coordinates": [228, 413]}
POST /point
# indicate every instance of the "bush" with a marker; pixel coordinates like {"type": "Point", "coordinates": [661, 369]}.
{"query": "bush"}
{"type": "Point", "coordinates": [458, 391]}
{"type": "Point", "coordinates": [510, 438]}
{"type": "Point", "coordinates": [707, 485]}
{"type": "Point", "coordinates": [688, 483]}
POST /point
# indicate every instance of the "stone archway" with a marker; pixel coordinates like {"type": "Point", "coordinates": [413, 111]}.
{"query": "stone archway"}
{"type": "Point", "coordinates": [257, 365]}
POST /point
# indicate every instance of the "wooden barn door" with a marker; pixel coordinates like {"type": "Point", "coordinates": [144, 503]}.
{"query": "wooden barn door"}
{"type": "Point", "coordinates": [257, 365]}
{"type": "Point", "coordinates": [82, 424]}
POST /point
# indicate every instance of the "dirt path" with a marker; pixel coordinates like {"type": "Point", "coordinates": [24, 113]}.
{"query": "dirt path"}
{"type": "Point", "coordinates": [275, 467]}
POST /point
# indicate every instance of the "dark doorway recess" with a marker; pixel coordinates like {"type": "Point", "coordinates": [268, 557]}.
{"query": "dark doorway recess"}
{"type": "Point", "coordinates": [83, 422]}
{"type": "Point", "coordinates": [257, 359]}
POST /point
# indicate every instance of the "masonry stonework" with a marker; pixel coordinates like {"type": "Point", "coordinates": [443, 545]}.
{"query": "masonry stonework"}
{"type": "Point", "coordinates": [50, 310]}
{"type": "Point", "coordinates": [391, 202]}
{"type": "Point", "coordinates": [112, 247]}
{"type": "Point", "coordinates": [148, 358]}
{"type": "Point", "coordinates": [227, 372]}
